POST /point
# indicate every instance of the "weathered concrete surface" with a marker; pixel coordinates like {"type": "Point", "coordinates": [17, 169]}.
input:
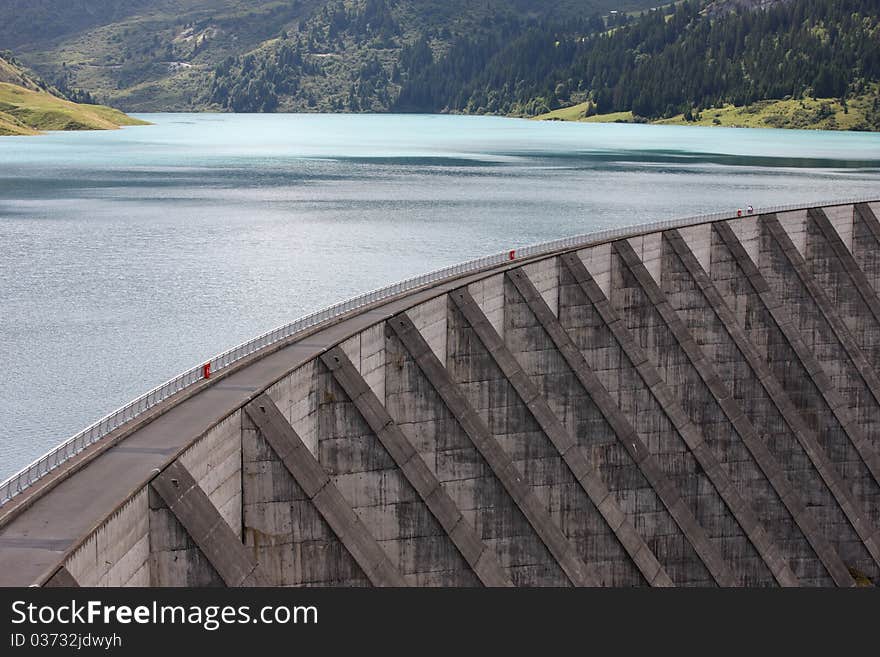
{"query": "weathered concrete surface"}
{"type": "Point", "coordinates": [363, 467]}
{"type": "Point", "coordinates": [563, 551]}
{"type": "Point", "coordinates": [676, 443]}
{"type": "Point", "coordinates": [174, 557]}
{"type": "Point", "coordinates": [423, 545]}
{"type": "Point", "coordinates": [831, 262]}
{"type": "Point", "coordinates": [637, 412]}
{"type": "Point", "coordinates": [215, 464]}
{"type": "Point", "coordinates": [324, 493]}
{"type": "Point", "coordinates": [215, 539]}
{"type": "Point", "coordinates": [525, 426]}
{"type": "Point", "coordinates": [590, 413]}
{"type": "Point", "coordinates": [825, 268]}
{"type": "Point", "coordinates": [793, 365]}
{"type": "Point", "coordinates": [284, 530]}
{"type": "Point", "coordinates": [866, 243]}
{"type": "Point", "coordinates": [767, 412]}
{"type": "Point", "coordinates": [118, 554]}
{"type": "Point", "coordinates": [699, 407]}
{"type": "Point", "coordinates": [853, 377]}
{"type": "Point", "coordinates": [832, 265]}
{"type": "Point", "coordinates": [707, 404]}
{"type": "Point", "coordinates": [443, 444]}
{"type": "Point", "coordinates": [63, 580]}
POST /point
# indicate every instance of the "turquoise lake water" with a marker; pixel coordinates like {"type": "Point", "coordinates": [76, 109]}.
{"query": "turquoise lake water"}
{"type": "Point", "coordinates": [129, 256]}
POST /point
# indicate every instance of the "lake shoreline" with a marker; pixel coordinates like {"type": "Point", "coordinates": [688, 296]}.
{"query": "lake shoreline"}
{"type": "Point", "coordinates": [829, 114]}
{"type": "Point", "coordinates": [27, 112]}
{"type": "Point", "coordinates": [726, 118]}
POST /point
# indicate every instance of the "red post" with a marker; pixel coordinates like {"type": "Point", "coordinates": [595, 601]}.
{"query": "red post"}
{"type": "Point", "coordinates": [206, 370]}
{"type": "Point", "coordinates": [512, 254]}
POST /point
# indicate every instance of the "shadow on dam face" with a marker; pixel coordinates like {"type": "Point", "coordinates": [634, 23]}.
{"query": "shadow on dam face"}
{"type": "Point", "coordinates": [697, 406]}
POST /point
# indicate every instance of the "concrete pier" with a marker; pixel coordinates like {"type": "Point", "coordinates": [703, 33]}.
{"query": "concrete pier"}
{"type": "Point", "coordinates": [694, 406]}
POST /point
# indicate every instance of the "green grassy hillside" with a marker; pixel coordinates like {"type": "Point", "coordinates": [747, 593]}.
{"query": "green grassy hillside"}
{"type": "Point", "coordinates": [581, 113]}
{"type": "Point", "coordinates": [28, 112]}
{"type": "Point", "coordinates": [804, 114]}
{"type": "Point", "coordinates": [29, 105]}
{"type": "Point", "coordinates": [9, 125]}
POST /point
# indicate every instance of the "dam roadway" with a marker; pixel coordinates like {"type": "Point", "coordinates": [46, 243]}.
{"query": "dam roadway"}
{"type": "Point", "coordinates": [696, 405]}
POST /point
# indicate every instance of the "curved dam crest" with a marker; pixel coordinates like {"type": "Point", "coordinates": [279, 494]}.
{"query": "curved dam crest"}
{"type": "Point", "coordinates": [697, 406]}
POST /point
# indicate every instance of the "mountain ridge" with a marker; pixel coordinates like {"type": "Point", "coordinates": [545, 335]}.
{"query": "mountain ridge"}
{"type": "Point", "coordinates": [514, 58]}
{"type": "Point", "coordinates": [162, 55]}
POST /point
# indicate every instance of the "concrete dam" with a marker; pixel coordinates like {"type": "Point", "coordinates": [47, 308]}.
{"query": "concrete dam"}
{"type": "Point", "coordinates": [692, 403]}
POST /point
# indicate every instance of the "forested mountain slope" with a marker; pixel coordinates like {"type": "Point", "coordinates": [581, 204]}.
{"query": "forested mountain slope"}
{"type": "Point", "coordinates": [681, 59]}
{"type": "Point", "coordinates": [254, 55]}
{"type": "Point", "coordinates": [509, 57]}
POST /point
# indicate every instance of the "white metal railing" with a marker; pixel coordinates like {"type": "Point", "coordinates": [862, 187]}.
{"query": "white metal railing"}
{"type": "Point", "coordinates": [30, 474]}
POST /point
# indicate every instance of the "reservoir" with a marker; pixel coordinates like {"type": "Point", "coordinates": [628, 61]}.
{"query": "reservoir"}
{"type": "Point", "coordinates": [131, 255]}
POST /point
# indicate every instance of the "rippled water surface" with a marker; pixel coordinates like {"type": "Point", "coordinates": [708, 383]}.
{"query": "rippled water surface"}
{"type": "Point", "coordinates": [129, 256]}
